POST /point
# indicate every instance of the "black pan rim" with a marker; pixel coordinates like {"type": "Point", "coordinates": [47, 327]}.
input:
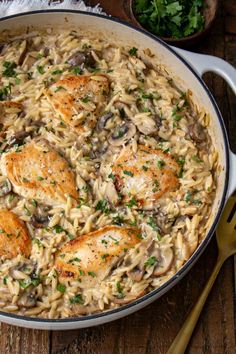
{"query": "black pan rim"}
{"type": "Point", "coordinates": [146, 299]}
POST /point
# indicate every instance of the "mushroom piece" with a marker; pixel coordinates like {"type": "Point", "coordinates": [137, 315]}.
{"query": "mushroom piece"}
{"type": "Point", "coordinates": [126, 299]}
{"type": "Point", "coordinates": [197, 132]}
{"type": "Point", "coordinates": [40, 219]}
{"type": "Point", "coordinates": [122, 133]}
{"type": "Point", "coordinates": [2, 46]}
{"type": "Point", "coordinates": [5, 187]}
{"type": "Point", "coordinates": [23, 51]}
{"type": "Point", "coordinates": [27, 300]}
{"type": "Point", "coordinates": [136, 274]}
{"type": "Point", "coordinates": [164, 262]}
{"type": "Point", "coordinates": [146, 126]}
{"type": "Point", "coordinates": [102, 121]}
{"type": "Point", "coordinates": [82, 58]}
{"type": "Point", "coordinates": [17, 139]}
{"type": "Point", "coordinates": [98, 150]}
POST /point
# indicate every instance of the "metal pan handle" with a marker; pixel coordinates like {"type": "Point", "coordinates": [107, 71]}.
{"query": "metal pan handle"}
{"type": "Point", "coordinates": [202, 63]}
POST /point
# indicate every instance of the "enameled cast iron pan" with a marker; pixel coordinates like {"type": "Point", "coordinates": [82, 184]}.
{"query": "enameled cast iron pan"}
{"type": "Point", "coordinates": [186, 68]}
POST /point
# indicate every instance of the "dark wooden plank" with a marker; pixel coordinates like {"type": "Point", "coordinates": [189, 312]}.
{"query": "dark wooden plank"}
{"type": "Point", "coordinates": [16, 340]}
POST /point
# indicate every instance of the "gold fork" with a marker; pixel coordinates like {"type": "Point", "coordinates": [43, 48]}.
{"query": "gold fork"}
{"type": "Point", "coordinates": [226, 241]}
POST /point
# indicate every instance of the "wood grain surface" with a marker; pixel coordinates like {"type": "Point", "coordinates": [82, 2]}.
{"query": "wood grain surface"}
{"type": "Point", "coordinates": [152, 329]}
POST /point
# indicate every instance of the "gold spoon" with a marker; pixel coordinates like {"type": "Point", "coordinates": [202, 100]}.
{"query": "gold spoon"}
{"type": "Point", "coordinates": [226, 241]}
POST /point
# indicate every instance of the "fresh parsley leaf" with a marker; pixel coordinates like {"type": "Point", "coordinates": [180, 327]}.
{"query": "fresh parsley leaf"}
{"type": "Point", "coordinates": [61, 288]}
{"type": "Point", "coordinates": [9, 69]}
{"type": "Point", "coordinates": [77, 299]}
{"type": "Point", "coordinates": [150, 261]}
{"type": "Point", "coordinates": [40, 69]}
{"type": "Point", "coordinates": [133, 51]}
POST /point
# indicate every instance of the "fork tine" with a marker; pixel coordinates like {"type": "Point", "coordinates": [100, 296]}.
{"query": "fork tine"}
{"type": "Point", "coordinates": [228, 208]}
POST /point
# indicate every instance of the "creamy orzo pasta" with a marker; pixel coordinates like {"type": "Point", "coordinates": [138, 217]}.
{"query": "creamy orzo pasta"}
{"type": "Point", "coordinates": [107, 174]}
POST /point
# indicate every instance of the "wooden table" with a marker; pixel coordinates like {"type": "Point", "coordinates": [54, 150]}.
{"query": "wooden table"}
{"type": "Point", "coordinates": [152, 329]}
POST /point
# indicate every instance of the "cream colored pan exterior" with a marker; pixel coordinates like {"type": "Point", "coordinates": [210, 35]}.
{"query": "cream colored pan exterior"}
{"type": "Point", "coordinates": [185, 67]}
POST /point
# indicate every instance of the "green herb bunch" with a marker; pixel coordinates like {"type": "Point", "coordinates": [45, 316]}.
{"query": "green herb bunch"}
{"type": "Point", "coordinates": [169, 18]}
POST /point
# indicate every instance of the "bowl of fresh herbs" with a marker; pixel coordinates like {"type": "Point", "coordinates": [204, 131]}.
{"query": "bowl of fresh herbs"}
{"type": "Point", "coordinates": [182, 22]}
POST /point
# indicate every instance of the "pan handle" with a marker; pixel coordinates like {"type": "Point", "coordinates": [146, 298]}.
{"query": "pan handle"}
{"type": "Point", "coordinates": [202, 63]}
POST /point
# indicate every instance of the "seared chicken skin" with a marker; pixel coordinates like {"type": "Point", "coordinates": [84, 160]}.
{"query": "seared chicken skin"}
{"type": "Point", "coordinates": [77, 99]}
{"type": "Point", "coordinates": [90, 257]}
{"type": "Point", "coordinates": [39, 172]}
{"type": "Point", "coordinates": [14, 238]}
{"type": "Point", "coordinates": [145, 175]}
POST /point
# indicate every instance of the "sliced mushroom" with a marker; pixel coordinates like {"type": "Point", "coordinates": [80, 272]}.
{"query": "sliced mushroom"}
{"type": "Point", "coordinates": [2, 47]}
{"type": "Point", "coordinates": [98, 150]}
{"type": "Point", "coordinates": [122, 133]}
{"type": "Point", "coordinates": [164, 262]}
{"type": "Point", "coordinates": [102, 121]}
{"type": "Point", "coordinates": [17, 139]}
{"type": "Point", "coordinates": [22, 52]}
{"type": "Point", "coordinates": [146, 126]}
{"type": "Point", "coordinates": [5, 187]}
{"type": "Point", "coordinates": [197, 132]}
{"type": "Point", "coordinates": [27, 300]}
{"type": "Point", "coordinates": [136, 274]}
{"type": "Point", "coordinates": [40, 218]}
{"type": "Point", "coordinates": [82, 58]}
{"type": "Point", "coordinates": [39, 221]}
{"type": "Point", "coordinates": [126, 299]}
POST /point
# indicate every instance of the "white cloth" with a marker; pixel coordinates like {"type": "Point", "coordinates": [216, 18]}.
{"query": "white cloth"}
{"type": "Point", "coordinates": [8, 7]}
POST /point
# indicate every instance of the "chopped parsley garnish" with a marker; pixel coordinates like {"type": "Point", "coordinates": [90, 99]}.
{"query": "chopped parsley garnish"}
{"type": "Point", "coordinates": [76, 70]}
{"type": "Point", "coordinates": [133, 51]}
{"type": "Point", "coordinates": [57, 72]}
{"type": "Point", "coordinates": [128, 173]}
{"type": "Point", "coordinates": [103, 205]}
{"type": "Point", "coordinates": [58, 229]}
{"type": "Point", "coordinates": [119, 288]}
{"type": "Point", "coordinates": [25, 180]}
{"type": "Point", "coordinates": [111, 176]}
{"type": "Point", "coordinates": [145, 168]}
{"type": "Point", "coordinates": [188, 197]}
{"type": "Point", "coordinates": [175, 113]}
{"type": "Point", "coordinates": [117, 220]}
{"type": "Point", "coordinates": [5, 92]}
{"type": "Point", "coordinates": [181, 162]}
{"type": "Point", "coordinates": [59, 88]}
{"type": "Point", "coordinates": [86, 99]}
{"type": "Point", "coordinates": [196, 159]}
{"type": "Point", "coordinates": [104, 256]}
{"type": "Point", "coordinates": [76, 259]}
{"type": "Point", "coordinates": [160, 164]}
{"type": "Point", "coordinates": [152, 222]}
{"type": "Point", "coordinates": [61, 288]}
{"type": "Point", "coordinates": [10, 197]}
{"type": "Point", "coordinates": [155, 185]}
{"type": "Point", "coordinates": [5, 280]}
{"type": "Point", "coordinates": [9, 69]}
{"type": "Point", "coordinates": [40, 69]}
{"type": "Point", "coordinates": [40, 178]}
{"type": "Point", "coordinates": [151, 261]}
{"type": "Point", "coordinates": [34, 202]}
{"type": "Point", "coordinates": [133, 223]}
{"type": "Point", "coordinates": [132, 202]}
{"type": "Point", "coordinates": [77, 299]}
{"type": "Point", "coordinates": [92, 274]}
